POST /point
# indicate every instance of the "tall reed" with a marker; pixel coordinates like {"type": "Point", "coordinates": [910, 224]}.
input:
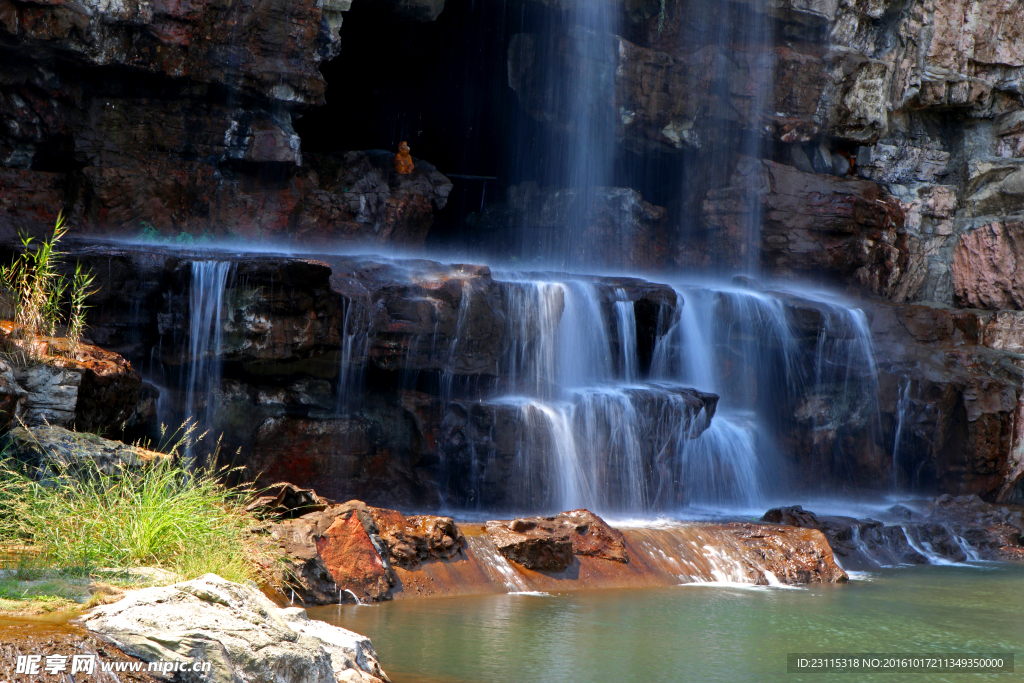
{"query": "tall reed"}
{"type": "Point", "coordinates": [34, 295]}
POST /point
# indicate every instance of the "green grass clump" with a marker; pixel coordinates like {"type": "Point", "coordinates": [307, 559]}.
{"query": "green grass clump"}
{"type": "Point", "coordinates": [39, 299]}
{"type": "Point", "coordinates": [164, 516]}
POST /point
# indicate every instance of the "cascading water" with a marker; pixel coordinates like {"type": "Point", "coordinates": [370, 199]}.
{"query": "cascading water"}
{"type": "Point", "coordinates": [355, 339]}
{"type": "Point", "coordinates": [203, 361]}
{"type": "Point", "coordinates": [592, 432]}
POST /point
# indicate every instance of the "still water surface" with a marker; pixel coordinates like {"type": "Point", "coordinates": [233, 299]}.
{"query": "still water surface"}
{"type": "Point", "coordinates": [698, 633]}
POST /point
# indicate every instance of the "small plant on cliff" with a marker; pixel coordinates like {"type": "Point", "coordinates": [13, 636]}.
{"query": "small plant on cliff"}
{"type": "Point", "coordinates": [165, 516]}
{"type": "Point", "coordinates": [39, 300]}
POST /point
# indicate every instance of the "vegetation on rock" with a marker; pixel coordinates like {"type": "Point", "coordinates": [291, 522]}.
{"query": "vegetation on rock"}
{"type": "Point", "coordinates": [162, 515]}
{"type": "Point", "coordinates": [40, 300]}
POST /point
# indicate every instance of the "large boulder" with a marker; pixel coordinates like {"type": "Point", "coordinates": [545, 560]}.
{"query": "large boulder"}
{"type": "Point", "coordinates": [51, 451]}
{"type": "Point", "coordinates": [235, 628]}
{"type": "Point", "coordinates": [331, 555]}
{"type": "Point", "coordinates": [792, 555]}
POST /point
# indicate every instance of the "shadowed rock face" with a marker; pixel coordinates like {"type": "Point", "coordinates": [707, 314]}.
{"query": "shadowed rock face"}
{"type": "Point", "coordinates": [950, 390]}
{"type": "Point", "coordinates": [177, 118]}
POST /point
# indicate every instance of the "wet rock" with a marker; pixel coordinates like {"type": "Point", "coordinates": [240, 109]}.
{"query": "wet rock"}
{"type": "Point", "coordinates": [792, 555]}
{"type": "Point", "coordinates": [332, 551]}
{"type": "Point", "coordinates": [996, 531]}
{"type": "Point", "coordinates": [350, 556]}
{"type": "Point", "coordinates": [594, 538]}
{"type": "Point", "coordinates": [549, 543]}
{"type": "Point", "coordinates": [791, 516]}
{"type": "Point", "coordinates": [610, 226]}
{"type": "Point", "coordinates": [417, 538]}
{"type": "Point", "coordinates": [811, 224]}
{"type": "Point", "coordinates": [238, 630]}
{"type": "Point", "coordinates": [950, 383]}
{"type": "Point", "coordinates": [900, 512]}
{"type": "Point", "coordinates": [539, 543]}
{"type": "Point", "coordinates": [858, 544]}
{"type": "Point", "coordinates": [51, 451]}
{"type": "Point", "coordinates": [950, 528]}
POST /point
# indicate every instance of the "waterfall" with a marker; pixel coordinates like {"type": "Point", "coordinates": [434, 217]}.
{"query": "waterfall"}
{"type": "Point", "coordinates": [626, 328]}
{"type": "Point", "coordinates": [203, 353]}
{"type": "Point", "coordinates": [355, 340]}
{"type": "Point", "coordinates": [902, 415]}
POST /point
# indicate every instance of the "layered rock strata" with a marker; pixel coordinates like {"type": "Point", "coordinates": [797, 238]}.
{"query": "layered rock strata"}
{"type": "Point", "coordinates": [363, 376]}
{"type": "Point", "coordinates": [141, 119]}
{"type": "Point", "coordinates": [86, 387]}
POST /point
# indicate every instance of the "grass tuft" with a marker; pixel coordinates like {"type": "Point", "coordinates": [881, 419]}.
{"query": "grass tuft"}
{"type": "Point", "coordinates": [163, 516]}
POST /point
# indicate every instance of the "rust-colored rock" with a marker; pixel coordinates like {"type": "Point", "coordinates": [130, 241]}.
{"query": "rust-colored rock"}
{"type": "Point", "coordinates": [988, 266]}
{"type": "Point", "coordinates": [792, 554]}
{"type": "Point", "coordinates": [417, 538]}
{"type": "Point", "coordinates": [331, 551]}
{"type": "Point", "coordinates": [90, 388]}
{"type": "Point", "coordinates": [549, 543]}
{"type": "Point", "coordinates": [350, 556]}
{"type": "Point", "coordinates": [594, 538]}
{"type": "Point", "coordinates": [538, 543]}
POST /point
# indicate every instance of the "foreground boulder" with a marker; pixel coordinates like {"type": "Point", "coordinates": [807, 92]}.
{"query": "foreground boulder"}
{"type": "Point", "coordinates": [791, 555]}
{"type": "Point", "coordinates": [238, 630]}
{"type": "Point", "coordinates": [53, 451]}
{"type": "Point", "coordinates": [550, 543]}
{"type": "Point", "coordinates": [333, 554]}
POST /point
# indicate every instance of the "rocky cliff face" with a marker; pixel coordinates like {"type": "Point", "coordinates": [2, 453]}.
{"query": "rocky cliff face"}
{"type": "Point", "coordinates": [921, 100]}
{"type": "Point", "coordinates": [875, 145]}
{"type": "Point", "coordinates": [168, 118]}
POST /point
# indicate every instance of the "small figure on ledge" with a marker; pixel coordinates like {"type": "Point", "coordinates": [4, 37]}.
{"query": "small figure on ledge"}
{"type": "Point", "coordinates": [403, 160]}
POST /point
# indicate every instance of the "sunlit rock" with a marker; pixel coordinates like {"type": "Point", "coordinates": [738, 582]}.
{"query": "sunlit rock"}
{"type": "Point", "coordinates": [240, 632]}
